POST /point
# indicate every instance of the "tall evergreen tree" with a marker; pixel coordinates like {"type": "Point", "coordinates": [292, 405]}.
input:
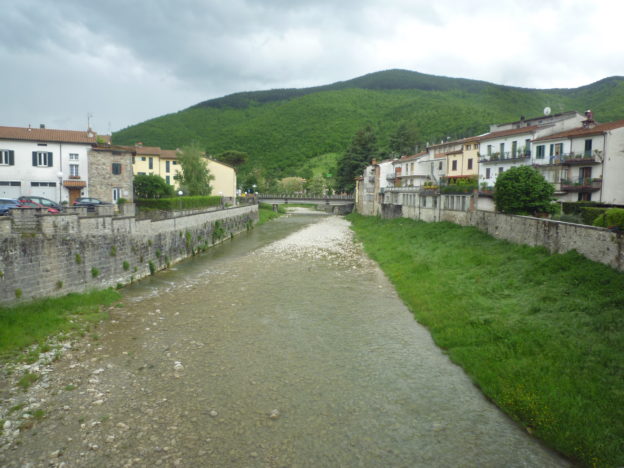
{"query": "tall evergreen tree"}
{"type": "Point", "coordinates": [404, 140]}
{"type": "Point", "coordinates": [362, 150]}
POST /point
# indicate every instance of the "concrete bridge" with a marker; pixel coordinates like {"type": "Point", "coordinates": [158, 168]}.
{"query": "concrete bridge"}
{"type": "Point", "coordinates": [336, 204]}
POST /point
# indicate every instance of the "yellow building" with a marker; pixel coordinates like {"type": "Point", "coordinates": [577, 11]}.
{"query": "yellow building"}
{"type": "Point", "coordinates": [463, 162]}
{"type": "Point", "coordinates": [164, 163]}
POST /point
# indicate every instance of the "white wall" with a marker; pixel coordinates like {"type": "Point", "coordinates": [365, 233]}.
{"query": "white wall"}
{"type": "Point", "coordinates": [25, 173]}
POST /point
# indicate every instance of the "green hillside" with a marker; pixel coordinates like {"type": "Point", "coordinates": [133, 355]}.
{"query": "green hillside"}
{"type": "Point", "coordinates": [282, 130]}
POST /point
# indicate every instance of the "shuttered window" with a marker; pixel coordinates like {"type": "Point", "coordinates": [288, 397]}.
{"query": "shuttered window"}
{"type": "Point", "coordinates": [42, 159]}
{"type": "Point", "coordinates": [7, 157]}
{"type": "Point", "coordinates": [116, 168]}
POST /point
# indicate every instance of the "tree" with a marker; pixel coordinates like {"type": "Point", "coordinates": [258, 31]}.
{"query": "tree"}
{"type": "Point", "coordinates": [290, 185]}
{"type": "Point", "coordinates": [316, 186]}
{"type": "Point", "coordinates": [523, 190]}
{"type": "Point", "coordinates": [233, 158]}
{"type": "Point", "coordinates": [194, 178]}
{"type": "Point", "coordinates": [404, 140]}
{"type": "Point", "coordinates": [151, 186]}
{"type": "Point", "coordinates": [362, 150]}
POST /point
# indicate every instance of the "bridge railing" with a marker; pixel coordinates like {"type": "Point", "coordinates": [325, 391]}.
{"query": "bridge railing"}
{"type": "Point", "coordinates": [265, 196]}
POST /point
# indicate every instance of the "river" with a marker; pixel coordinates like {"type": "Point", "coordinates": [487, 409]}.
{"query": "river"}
{"type": "Point", "coordinates": [285, 347]}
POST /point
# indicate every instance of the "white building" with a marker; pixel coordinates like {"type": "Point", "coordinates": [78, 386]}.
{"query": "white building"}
{"type": "Point", "coordinates": [585, 163]}
{"type": "Point", "coordinates": [44, 162]}
{"type": "Point", "coordinates": [511, 144]}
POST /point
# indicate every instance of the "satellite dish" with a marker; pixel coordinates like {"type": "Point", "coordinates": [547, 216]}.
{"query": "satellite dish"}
{"type": "Point", "coordinates": [546, 110]}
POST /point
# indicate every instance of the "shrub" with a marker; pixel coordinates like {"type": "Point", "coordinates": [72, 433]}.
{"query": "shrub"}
{"type": "Point", "coordinates": [125, 265]}
{"type": "Point", "coordinates": [151, 186]}
{"type": "Point", "coordinates": [523, 190]}
{"type": "Point", "coordinates": [95, 272]}
{"type": "Point", "coordinates": [152, 267]}
{"type": "Point", "coordinates": [589, 214]}
{"type": "Point", "coordinates": [179, 203]}
{"type": "Point", "coordinates": [612, 218]}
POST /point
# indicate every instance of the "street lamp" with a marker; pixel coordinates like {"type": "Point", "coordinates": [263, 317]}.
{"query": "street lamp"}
{"type": "Point", "coordinates": [221, 195]}
{"type": "Point", "coordinates": [60, 177]}
{"type": "Point", "coordinates": [180, 193]}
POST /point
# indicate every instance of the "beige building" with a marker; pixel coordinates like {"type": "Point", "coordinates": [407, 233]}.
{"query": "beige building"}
{"type": "Point", "coordinates": [164, 163]}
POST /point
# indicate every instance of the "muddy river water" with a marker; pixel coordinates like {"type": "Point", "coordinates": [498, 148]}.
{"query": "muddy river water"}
{"type": "Point", "coordinates": [285, 347]}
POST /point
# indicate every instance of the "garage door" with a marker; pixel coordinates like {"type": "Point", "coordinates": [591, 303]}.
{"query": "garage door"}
{"type": "Point", "coordinates": [10, 189]}
{"type": "Point", "coordinates": [44, 189]}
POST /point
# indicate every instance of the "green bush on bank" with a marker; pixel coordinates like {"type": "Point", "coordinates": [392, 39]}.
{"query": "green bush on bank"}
{"type": "Point", "coordinates": [541, 335]}
{"type": "Point", "coordinates": [179, 203]}
{"type": "Point", "coordinates": [611, 218]}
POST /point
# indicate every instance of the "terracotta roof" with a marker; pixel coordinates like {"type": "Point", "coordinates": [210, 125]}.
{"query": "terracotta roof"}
{"type": "Point", "coordinates": [412, 156]}
{"type": "Point", "coordinates": [169, 154]}
{"type": "Point", "coordinates": [584, 131]}
{"type": "Point", "coordinates": [148, 150]}
{"type": "Point", "coordinates": [48, 134]}
{"type": "Point", "coordinates": [128, 149]}
{"type": "Point", "coordinates": [513, 131]}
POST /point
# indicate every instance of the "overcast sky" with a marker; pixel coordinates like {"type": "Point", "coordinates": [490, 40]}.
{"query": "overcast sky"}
{"type": "Point", "coordinates": [126, 61]}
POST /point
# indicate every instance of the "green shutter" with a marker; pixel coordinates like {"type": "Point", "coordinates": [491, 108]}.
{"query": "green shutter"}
{"type": "Point", "coordinates": [49, 159]}
{"type": "Point", "coordinates": [34, 158]}
{"type": "Point", "coordinates": [11, 158]}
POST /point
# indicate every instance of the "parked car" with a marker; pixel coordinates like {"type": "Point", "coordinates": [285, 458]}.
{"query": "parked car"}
{"type": "Point", "coordinates": [7, 204]}
{"type": "Point", "coordinates": [32, 204]}
{"type": "Point", "coordinates": [90, 202]}
{"type": "Point", "coordinates": [41, 201]}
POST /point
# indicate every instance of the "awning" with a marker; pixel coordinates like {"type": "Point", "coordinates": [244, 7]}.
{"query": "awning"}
{"type": "Point", "coordinates": [74, 183]}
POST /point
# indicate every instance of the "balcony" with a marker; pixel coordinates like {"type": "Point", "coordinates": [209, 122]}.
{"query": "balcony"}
{"type": "Point", "coordinates": [506, 156]}
{"type": "Point", "coordinates": [582, 184]}
{"type": "Point", "coordinates": [576, 159]}
{"type": "Point", "coordinates": [391, 177]}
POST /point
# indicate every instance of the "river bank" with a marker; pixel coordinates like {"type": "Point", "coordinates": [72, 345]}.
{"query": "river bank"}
{"type": "Point", "coordinates": [285, 347]}
{"type": "Point", "coordinates": [542, 335]}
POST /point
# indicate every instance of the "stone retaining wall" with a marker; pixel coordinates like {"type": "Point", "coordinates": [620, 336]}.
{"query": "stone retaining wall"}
{"type": "Point", "coordinates": [50, 255]}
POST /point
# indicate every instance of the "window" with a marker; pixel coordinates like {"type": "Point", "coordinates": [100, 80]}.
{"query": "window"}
{"type": "Point", "coordinates": [514, 148]}
{"type": "Point", "coordinates": [151, 163]}
{"type": "Point", "coordinates": [133, 161]}
{"type": "Point", "coordinates": [468, 147]}
{"type": "Point", "coordinates": [558, 149]}
{"type": "Point", "coordinates": [488, 173]}
{"type": "Point", "coordinates": [469, 163]}
{"type": "Point", "coordinates": [500, 170]}
{"type": "Point", "coordinates": [454, 164]}
{"type": "Point", "coordinates": [175, 163]}
{"type": "Point", "coordinates": [540, 152]}
{"type": "Point", "coordinates": [141, 173]}
{"type": "Point", "coordinates": [73, 156]}
{"type": "Point", "coordinates": [502, 150]}
{"type": "Point", "coordinates": [168, 180]}
{"type": "Point", "coordinates": [43, 184]}
{"type": "Point", "coordinates": [116, 168]}
{"type": "Point", "coordinates": [142, 158]}
{"type": "Point", "coordinates": [489, 150]}
{"type": "Point", "coordinates": [527, 147]}
{"type": "Point", "coordinates": [116, 194]}
{"type": "Point", "coordinates": [588, 147]}
{"type": "Point", "coordinates": [41, 159]}
{"type": "Point", "coordinates": [11, 183]}
{"type": "Point", "coordinates": [440, 165]}
{"type": "Point", "coordinates": [7, 157]}
{"type": "Point", "coordinates": [167, 168]}
{"type": "Point", "coordinates": [73, 170]}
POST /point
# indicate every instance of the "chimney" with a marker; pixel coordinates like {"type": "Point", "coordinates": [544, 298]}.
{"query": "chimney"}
{"type": "Point", "coordinates": [29, 129]}
{"type": "Point", "coordinates": [589, 122]}
{"type": "Point", "coordinates": [41, 125]}
{"type": "Point", "coordinates": [374, 161]}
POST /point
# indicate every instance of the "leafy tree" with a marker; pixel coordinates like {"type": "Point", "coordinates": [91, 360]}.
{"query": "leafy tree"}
{"type": "Point", "coordinates": [151, 186]}
{"type": "Point", "coordinates": [362, 150]}
{"type": "Point", "coordinates": [291, 185]}
{"type": "Point", "coordinates": [316, 186]}
{"type": "Point", "coordinates": [523, 190]}
{"type": "Point", "coordinates": [233, 158]}
{"type": "Point", "coordinates": [194, 178]}
{"type": "Point", "coordinates": [404, 140]}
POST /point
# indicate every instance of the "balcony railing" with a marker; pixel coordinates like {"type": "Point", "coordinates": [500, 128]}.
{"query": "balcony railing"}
{"type": "Point", "coordinates": [575, 158]}
{"type": "Point", "coordinates": [582, 184]}
{"type": "Point", "coordinates": [391, 177]}
{"type": "Point", "coordinates": [505, 156]}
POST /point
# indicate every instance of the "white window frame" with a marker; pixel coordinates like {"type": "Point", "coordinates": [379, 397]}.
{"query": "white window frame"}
{"type": "Point", "coordinates": [42, 159]}
{"type": "Point", "coordinates": [74, 156]}
{"type": "Point", "coordinates": [74, 170]}
{"type": "Point", "coordinates": [5, 157]}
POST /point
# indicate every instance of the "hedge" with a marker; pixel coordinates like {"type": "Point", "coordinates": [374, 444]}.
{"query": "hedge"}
{"type": "Point", "coordinates": [612, 218]}
{"type": "Point", "coordinates": [179, 203]}
{"type": "Point", "coordinates": [589, 214]}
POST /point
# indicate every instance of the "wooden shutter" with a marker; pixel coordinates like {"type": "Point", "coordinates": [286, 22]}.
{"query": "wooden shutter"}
{"type": "Point", "coordinates": [34, 158]}
{"type": "Point", "coordinates": [49, 159]}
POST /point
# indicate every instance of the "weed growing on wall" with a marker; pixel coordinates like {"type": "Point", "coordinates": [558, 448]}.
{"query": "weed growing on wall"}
{"type": "Point", "coordinates": [152, 267]}
{"type": "Point", "coordinates": [113, 251]}
{"type": "Point", "coordinates": [95, 272]}
{"type": "Point", "coordinates": [18, 293]}
{"type": "Point", "coordinates": [125, 265]}
{"type": "Point", "coordinates": [59, 284]}
{"type": "Point", "coordinates": [78, 259]}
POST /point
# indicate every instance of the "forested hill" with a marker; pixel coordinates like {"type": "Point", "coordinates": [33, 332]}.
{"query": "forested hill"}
{"type": "Point", "coordinates": [282, 130]}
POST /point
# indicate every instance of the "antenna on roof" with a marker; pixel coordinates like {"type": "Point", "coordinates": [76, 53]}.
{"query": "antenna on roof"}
{"type": "Point", "coordinates": [89, 115]}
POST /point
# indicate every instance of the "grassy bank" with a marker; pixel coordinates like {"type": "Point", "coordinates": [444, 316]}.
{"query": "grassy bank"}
{"type": "Point", "coordinates": [266, 213]}
{"type": "Point", "coordinates": [542, 335]}
{"type": "Point", "coordinates": [32, 323]}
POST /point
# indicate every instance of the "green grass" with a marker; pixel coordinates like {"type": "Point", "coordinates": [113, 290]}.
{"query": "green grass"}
{"type": "Point", "coordinates": [266, 213]}
{"type": "Point", "coordinates": [542, 335]}
{"type": "Point", "coordinates": [26, 324]}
